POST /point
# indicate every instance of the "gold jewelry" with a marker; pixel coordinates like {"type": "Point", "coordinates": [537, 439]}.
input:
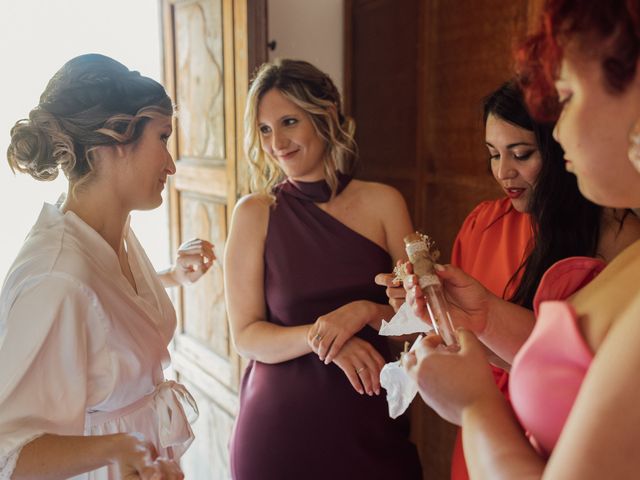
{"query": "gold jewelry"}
{"type": "Point", "coordinates": [318, 337]}
{"type": "Point", "coordinates": [634, 145]}
{"type": "Point", "coordinates": [358, 370]}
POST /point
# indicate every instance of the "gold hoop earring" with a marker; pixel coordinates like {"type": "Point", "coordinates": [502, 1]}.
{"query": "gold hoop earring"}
{"type": "Point", "coordinates": [634, 145]}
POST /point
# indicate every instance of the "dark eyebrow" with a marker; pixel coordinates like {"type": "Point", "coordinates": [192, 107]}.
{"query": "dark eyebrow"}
{"type": "Point", "coordinates": [513, 145]}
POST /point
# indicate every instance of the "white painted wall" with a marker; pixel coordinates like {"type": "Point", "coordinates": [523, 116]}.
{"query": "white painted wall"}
{"type": "Point", "coordinates": [311, 30]}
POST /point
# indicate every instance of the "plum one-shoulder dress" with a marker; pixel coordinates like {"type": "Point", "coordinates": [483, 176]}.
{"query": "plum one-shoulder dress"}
{"type": "Point", "coordinates": [302, 419]}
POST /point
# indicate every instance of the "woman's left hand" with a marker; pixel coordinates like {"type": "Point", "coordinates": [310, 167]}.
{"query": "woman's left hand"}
{"type": "Point", "coordinates": [331, 331]}
{"type": "Point", "coordinates": [450, 381]}
{"type": "Point", "coordinates": [194, 259]}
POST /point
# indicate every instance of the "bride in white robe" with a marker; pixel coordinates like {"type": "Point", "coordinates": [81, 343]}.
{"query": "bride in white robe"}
{"type": "Point", "coordinates": [85, 323]}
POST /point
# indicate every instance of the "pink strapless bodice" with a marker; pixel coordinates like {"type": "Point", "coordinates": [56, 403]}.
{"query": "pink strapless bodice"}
{"type": "Point", "coordinates": [549, 368]}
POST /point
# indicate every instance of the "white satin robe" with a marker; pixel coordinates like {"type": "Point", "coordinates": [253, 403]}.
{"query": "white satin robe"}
{"type": "Point", "coordinates": [81, 353]}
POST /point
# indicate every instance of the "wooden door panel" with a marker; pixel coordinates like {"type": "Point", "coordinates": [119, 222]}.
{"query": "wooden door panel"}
{"type": "Point", "coordinates": [202, 178]}
{"type": "Point", "coordinates": [207, 458]}
{"type": "Point", "coordinates": [200, 73]}
{"type": "Point", "coordinates": [210, 48]}
{"type": "Point", "coordinates": [467, 54]}
{"type": "Point", "coordinates": [383, 102]}
{"type": "Point", "coordinates": [200, 86]}
{"type": "Point", "coordinates": [204, 314]}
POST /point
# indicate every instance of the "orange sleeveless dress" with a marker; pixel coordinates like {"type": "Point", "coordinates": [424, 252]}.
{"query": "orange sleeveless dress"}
{"type": "Point", "coordinates": [491, 244]}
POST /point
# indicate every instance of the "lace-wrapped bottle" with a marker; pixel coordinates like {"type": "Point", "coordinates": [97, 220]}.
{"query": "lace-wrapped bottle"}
{"type": "Point", "coordinates": [423, 255]}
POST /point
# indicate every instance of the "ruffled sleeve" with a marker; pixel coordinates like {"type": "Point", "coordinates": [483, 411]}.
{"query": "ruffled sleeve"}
{"type": "Point", "coordinates": [566, 277]}
{"type": "Point", "coordinates": [44, 357]}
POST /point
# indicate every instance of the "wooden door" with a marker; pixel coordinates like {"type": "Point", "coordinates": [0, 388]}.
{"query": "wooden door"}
{"type": "Point", "coordinates": [417, 71]}
{"type": "Point", "coordinates": [210, 46]}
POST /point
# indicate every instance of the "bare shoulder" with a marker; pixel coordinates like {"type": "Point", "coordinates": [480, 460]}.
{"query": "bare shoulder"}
{"type": "Point", "coordinates": [251, 215]}
{"type": "Point", "coordinates": [253, 206]}
{"type": "Point", "coordinates": [379, 194]}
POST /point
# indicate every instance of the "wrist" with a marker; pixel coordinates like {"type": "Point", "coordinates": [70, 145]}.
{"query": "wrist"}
{"type": "Point", "coordinates": [375, 312]}
{"type": "Point", "coordinates": [485, 406]}
{"type": "Point", "coordinates": [113, 446]}
{"type": "Point", "coordinates": [306, 332]}
{"type": "Point", "coordinates": [490, 305]}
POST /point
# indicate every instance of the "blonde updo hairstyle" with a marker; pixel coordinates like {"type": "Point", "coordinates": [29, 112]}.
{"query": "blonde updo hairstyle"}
{"type": "Point", "coordinates": [315, 93]}
{"type": "Point", "coordinates": [91, 101]}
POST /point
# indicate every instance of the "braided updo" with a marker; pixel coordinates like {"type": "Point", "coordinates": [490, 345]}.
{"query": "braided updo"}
{"type": "Point", "coordinates": [314, 92]}
{"type": "Point", "coordinates": [91, 101]}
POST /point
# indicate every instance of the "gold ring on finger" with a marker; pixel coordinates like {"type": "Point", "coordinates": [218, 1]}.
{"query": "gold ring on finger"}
{"type": "Point", "coordinates": [318, 337]}
{"type": "Point", "coordinates": [358, 370]}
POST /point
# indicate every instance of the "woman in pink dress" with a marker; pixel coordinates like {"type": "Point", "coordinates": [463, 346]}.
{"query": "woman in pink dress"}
{"type": "Point", "coordinates": [507, 244]}
{"type": "Point", "coordinates": [577, 413]}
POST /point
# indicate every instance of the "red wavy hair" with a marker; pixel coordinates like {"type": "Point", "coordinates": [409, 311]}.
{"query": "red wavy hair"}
{"type": "Point", "coordinates": [610, 29]}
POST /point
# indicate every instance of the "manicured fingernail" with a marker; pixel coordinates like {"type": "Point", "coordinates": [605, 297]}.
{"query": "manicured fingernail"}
{"type": "Point", "coordinates": [439, 267]}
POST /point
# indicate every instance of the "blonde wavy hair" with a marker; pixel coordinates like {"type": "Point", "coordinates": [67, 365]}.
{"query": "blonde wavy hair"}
{"type": "Point", "coordinates": [91, 101]}
{"type": "Point", "coordinates": [315, 93]}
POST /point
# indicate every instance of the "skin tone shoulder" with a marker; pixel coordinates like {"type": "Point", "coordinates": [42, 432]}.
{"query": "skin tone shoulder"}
{"type": "Point", "coordinates": [376, 211]}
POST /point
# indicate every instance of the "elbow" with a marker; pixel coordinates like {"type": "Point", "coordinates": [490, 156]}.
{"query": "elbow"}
{"type": "Point", "coordinates": [247, 350]}
{"type": "Point", "coordinates": [241, 347]}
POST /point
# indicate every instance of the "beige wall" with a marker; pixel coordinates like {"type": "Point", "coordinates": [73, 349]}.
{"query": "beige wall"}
{"type": "Point", "coordinates": [311, 30]}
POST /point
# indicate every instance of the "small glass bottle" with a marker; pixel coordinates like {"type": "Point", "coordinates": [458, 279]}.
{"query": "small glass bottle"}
{"type": "Point", "coordinates": [422, 255]}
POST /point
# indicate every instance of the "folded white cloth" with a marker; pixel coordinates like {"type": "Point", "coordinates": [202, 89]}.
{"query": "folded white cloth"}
{"type": "Point", "coordinates": [401, 389]}
{"type": "Point", "coordinates": [404, 322]}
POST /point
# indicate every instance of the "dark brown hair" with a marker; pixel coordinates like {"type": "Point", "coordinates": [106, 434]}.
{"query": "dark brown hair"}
{"type": "Point", "coordinates": [90, 102]}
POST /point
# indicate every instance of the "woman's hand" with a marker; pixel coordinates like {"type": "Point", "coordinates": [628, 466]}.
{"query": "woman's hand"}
{"type": "Point", "coordinates": [329, 333]}
{"type": "Point", "coordinates": [450, 381]}
{"type": "Point", "coordinates": [193, 259]}
{"type": "Point", "coordinates": [395, 290]}
{"type": "Point", "coordinates": [468, 300]}
{"type": "Point", "coordinates": [137, 458]}
{"type": "Point", "coordinates": [361, 363]}
{"type": "Point", "coordinates": [159, 469]}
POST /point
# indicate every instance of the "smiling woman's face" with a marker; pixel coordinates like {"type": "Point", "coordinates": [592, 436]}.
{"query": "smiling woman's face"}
{"type": "Point", "coordinates": [515, 159]}
{"type": "Point", "coordinates": [287, 135]}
